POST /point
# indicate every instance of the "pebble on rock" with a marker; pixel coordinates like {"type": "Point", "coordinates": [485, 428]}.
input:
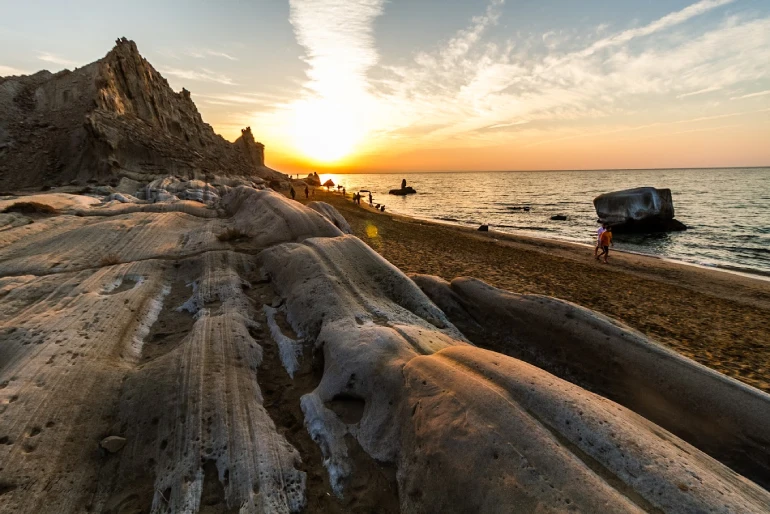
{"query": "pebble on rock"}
{"type": "Point", "coordinates": [113, 443]}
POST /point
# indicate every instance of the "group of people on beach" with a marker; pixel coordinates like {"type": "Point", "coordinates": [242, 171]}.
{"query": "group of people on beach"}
{"type": "Point", "coordinates": [603, 242]}
{"type": "Point", "coordinates": [293, 192]}
{"type": "Point", "coordinates": [357, 198]}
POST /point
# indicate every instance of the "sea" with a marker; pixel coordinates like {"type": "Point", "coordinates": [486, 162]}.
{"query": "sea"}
{"type": "Point", "coordinates": [726, 210]}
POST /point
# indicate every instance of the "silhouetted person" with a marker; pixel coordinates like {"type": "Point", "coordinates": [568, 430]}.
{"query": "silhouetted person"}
{"type": "Point", "coordinates": [307, 193]}
{"type": "Point", "coordinates": [344, 192]}
{"type": "Point", "coordinates": [370, 199]}
{"type": "Point", "coordinates": [403, 183]}
{"type": "Point", "coordinates": [292, 192]}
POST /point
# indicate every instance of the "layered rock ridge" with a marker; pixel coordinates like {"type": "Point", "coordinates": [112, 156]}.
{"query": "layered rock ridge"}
{"type": "Point", "coordinates": [180, 329]}
{"type": "Point", "coordinates": [114, 118]}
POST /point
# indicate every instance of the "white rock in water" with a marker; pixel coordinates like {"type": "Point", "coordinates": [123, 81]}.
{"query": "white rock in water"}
{"type": "Point", "coordinates": [113, 443]}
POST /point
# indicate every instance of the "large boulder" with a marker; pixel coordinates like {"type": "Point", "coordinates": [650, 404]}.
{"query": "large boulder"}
{"type": "Point", "coordinates": [643, 209]}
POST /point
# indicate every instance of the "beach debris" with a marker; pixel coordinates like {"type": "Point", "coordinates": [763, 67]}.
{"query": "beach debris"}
{"type": "Point", "coordinates": [113, 443]}
{"type": "Point", "coordinates": [643, 209]}
{"type": "Point", "coordinates": [559, 217]}
{"type": "Point", "coordinates": [483, 228]}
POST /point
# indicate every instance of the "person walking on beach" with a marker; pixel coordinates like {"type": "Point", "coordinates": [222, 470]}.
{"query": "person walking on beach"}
{"type": "Point", "coordinates": [606, 241]}
{"type": "Point", "coordinates": [599, 233]}
{"type": "Point", "coordinates": [370, 199]}
{"type": "Point", "coordinates": [307, 193]}
{"type": "Point", "coordinates": [292, 192]}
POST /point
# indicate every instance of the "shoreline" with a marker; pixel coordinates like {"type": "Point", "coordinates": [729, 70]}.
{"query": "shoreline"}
{"type": "Point", "coordinates": [737, 270]}
{"type": "Point", "coordinates": [712, 315]}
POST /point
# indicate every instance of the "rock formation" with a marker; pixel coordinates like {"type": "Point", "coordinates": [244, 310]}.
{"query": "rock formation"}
{"type": "Point", "coordinates": [613, 360]}
{"type": "Point", "coordinates": [188, 336]}
{"type": "Point", "coordinates": [644, 209]}
{"type": "Point", "coordinates": [116, 118]}
{"type": "Point", "coordinates": [313, 179]}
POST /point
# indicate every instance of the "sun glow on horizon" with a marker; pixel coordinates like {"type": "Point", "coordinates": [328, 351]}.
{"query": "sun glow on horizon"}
{"type": "Point", "coordinates": [325, 131]}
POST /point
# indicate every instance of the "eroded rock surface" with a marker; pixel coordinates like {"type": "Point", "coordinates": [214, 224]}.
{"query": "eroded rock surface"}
{"type": "Point", "coordinates": [154, 327]}
{"type": "Point", "coordinates": [615, 361]}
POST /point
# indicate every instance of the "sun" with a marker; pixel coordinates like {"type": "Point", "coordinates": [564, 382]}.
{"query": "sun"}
{"type": "Point", "coordinates": [325, 131]}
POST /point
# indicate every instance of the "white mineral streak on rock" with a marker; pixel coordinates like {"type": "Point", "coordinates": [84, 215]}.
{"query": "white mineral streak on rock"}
{"type": "Point", "coordinates": [448, 413]}
{"type": "Point", "coordinates": [330, 213]}
{"type": "Point", "coordinates": [328, 432]}
{"type": "Point", "coordinates": [289, 349]}
{"type": "Point", "coordinates": [154, 306]}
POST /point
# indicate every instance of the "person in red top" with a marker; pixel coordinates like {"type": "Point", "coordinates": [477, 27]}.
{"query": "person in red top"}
{"type": "Point", "coordinates": [605, 240]}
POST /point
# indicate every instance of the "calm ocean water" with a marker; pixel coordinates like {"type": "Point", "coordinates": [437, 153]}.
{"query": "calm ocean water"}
{"type": "Point", "coordinates": [727, 210]}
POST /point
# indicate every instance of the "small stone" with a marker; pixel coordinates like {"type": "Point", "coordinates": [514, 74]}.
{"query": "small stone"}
{"type": "Point", "coordinates": [113, 443]}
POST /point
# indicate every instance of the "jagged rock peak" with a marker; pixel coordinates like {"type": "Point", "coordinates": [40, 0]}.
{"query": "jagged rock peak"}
{"type": "Point", "coordinates": [114, 118]}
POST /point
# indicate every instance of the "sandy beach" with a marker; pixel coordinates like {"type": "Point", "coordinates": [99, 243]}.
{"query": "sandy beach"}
{"type": "Point", "coordinates": [717, 318]}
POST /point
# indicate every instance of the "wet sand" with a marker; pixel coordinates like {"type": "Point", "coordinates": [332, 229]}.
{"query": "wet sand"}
{"type": "Point", "coordinates": [719, 319]}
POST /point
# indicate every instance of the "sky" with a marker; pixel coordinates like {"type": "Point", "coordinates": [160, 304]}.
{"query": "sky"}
{"type": "Point", "coordinates": [424, 85]}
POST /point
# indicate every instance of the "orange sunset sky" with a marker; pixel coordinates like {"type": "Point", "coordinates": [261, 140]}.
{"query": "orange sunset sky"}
{"type": "Point", "coordinates": [375, 85]}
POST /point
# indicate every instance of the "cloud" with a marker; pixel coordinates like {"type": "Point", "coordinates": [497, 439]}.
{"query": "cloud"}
{"type": "Point", "coordinates": [202, 54]}
{"type": "Point", "coordinates": [700, 91]}
{"type": "Point", "coordinates": [338, 42]}
{"type": "Point", "coordinates": [260, 99]}
{"type": "Point", "coordinates": [470, 84]}
{"type": "Point", "coordinates": [478, 88]}
{"type": "Point", "coordinates": [55, 59]}
{"type": "Point", "coordinates": [6, 71]}
{"type": "Point", "coordinates": [202, 75]}
{"type": "Point", "coordinates": [666, 22]}
{"type": "Point", "coordinates": [751, 95]}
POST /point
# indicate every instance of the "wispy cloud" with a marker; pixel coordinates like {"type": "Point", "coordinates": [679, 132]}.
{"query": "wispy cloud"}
{"type": "Point", "coordinates": [264, 100]}
{"type": "Point", "coordinates": [751, 95]}
{"type": "Point", "coordinates": [471, 83]}
{"type": "Point", "coordinates": [202, 75]}
{"type": "Point", "coordinates": [6, 71]}
{"type": "Point", "coordinates": [202, 54]}
{"type": "Point", "coordinates": [55, 59]}
{"type": "Point", "coordinates": [700, 91]}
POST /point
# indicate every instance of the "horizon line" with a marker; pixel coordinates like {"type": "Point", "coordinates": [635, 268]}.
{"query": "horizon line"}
{"type": "Point", "coordinates": [536, 171]}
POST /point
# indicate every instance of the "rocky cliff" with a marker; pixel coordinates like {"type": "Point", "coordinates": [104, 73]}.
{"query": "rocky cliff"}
{"type": "Point", "coordinates": [114, 118]}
